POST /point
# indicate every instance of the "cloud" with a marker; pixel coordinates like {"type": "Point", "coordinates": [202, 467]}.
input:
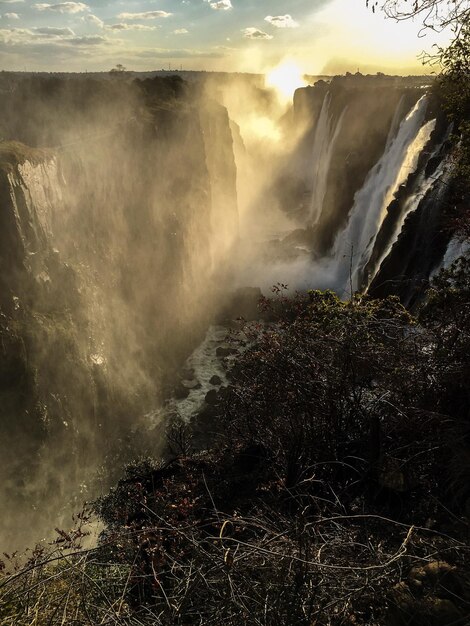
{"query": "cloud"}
{"type": "Point", "coordinates": [52, 31]}
{"type": "Point", "coordinates": [12, 35]}
{"type": "Point", "coordinates": [120, 27]}
{"type": "Point", "coordinates": [221, 5]}
{"type": "Point", "coordinates": [170, 53]}
{"type": "Point", "coordinates": [255, 33]}
{"type": "Point", "coordinates": [146, 15]}
{"type": "Point", "coordinates": [281, 21]}
{"type": "Point", "coordinates": [63, 7]}
{"type": "Point", "coordinates": [11, 16]}
{"type": "Point", "coordinates": [181, 31]}
{"type": "Point", "coordinates": [87, 40]}
{"type": "Point", "coordinates": [93, 19]}
{"type": "Point", "coordinates": [48, 36]}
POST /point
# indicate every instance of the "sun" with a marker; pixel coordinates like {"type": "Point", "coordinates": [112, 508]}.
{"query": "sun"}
{"type": "Point", "coordinates": [285, 78]}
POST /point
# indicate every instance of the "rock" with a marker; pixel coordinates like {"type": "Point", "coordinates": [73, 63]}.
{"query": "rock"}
{"type": "Point", "coordinates": [191, 384]}
{"type": "Point", "coordinates": [212, 397]}
{"type": "Point", "coordinates": [430, 611]}
{"type": "Point", "coordinates": [438, 576]}
{"type": "Point", "coordinates": [428, 597]}
{"type": "Point", "coordinates": [187, 373]}
{"type": "Point", "coordinates": [434, 572]}
{"type": "Point", "coordinates": [215, 380]}
{"type": "Point", "coordinates": [226, 350]}
{"type": "Point", "coordinates": [180, 391]}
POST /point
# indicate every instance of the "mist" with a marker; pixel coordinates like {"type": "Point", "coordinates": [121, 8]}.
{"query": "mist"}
{"type": "Point", "coordinates": [112, 238]}
{"type": "Point", "coordinates": [136, 215]}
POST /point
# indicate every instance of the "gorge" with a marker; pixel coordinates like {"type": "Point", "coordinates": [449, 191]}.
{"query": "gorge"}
{"type": "Point", "coordinates": [131, 211]}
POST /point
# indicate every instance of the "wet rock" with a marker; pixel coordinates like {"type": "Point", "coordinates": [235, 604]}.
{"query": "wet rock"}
{"type": "Point", "coordinates": [204, 427]}
{"type": "Point", "coordinates": [212, 397]}
{"type": "Point", "coordinates": [180, 391]}
{"type": "Point", "coordinates": [215, 380]}
{"type": "Point", "coordinates": [187, 373]}
{"type": "Point", "coordinates": [226, 350]}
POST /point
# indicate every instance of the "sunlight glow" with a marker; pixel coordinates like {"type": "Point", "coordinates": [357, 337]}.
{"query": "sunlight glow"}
{"type": "Point", "coordinates": [263, 128]}
{"type": "Point", "coordinates": [285, 78]}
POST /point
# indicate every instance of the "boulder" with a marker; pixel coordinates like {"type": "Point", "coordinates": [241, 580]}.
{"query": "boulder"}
{"type": "Point", "coordinates": [180, 391]}
{"type": "Point", "coordinates": [212, 397]}
{"type": "Point", "coordinates": [215, 380]}
{"type": "Point", "coordinates": [428, 597]}
{"type": "Point", "coordinates": [187, 373]}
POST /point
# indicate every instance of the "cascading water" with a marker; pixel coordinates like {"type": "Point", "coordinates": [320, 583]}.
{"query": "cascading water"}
{"type": "Point", "coordinates": [423, 187]}
{"type": "Point", "coordinates": [326, 134]}
{"type": "Point", "coordinates": [367, 214]}
{"type": "Point", "coordinates": [455, 250]}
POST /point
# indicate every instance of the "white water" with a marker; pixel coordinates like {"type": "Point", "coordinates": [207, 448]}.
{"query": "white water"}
{"type": "Point", "coordinates": [455, 250]}
{"type": "Point", "coordinates": [399, 159]}
{"type": "Point", "coordinates": [205, 363]}
{"type": "Point", "coordinates": [407, 138]}
{"type": "Point", "coordinates": [323, 145]}
{"type": "Point", "coordinates": [424, 185]}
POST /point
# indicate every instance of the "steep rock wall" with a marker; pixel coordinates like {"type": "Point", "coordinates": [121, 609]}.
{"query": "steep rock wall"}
{"type": "Point", "coordinates": [106, 276]}
{"type": "Point", "coordinates": [366, 115]}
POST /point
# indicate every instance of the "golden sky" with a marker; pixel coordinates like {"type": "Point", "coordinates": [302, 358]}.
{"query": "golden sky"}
{"type": "Point", "coordinates": [319, 36]}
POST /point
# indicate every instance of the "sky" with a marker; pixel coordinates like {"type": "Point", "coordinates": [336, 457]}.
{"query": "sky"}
{"type": "Point", "coordinates": [318, 36]}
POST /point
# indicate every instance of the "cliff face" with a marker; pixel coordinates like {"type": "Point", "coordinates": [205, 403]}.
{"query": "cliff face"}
{"type": "Point", "coordinates": [106, 265]}
{"type": "Point", "coordinates": [347, 131]}
{"type": "Point", "coordinates": [220, 159]}
{"type": "Point", "coordinates": [422, 242]}
{"type": "Point", "coordinates": [371, 155]}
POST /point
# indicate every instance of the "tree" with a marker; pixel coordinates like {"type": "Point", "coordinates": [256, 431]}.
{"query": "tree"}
{"type": "Point", "coordinates": [453, 87]}
{"type": "Point", "coordinates": [435, 14]}
{"type": "Point", "coordinates": [118, 69]}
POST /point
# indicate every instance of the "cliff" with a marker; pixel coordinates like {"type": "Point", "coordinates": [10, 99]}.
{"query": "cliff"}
{"type": "Point", "coordinates": [106, 273]}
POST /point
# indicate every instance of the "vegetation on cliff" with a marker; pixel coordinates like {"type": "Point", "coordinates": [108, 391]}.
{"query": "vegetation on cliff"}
{"type": "Point", "coordinates": [335, 491]}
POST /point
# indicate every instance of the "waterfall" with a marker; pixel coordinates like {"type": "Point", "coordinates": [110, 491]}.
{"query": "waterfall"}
{"type": "Point", "coordinates": [455, 250]}
{"type": "Point", "coordinates": [399, 159]}
{"type": "Point", "coordinates": [323, 145]}
{"type": "Point", "coordinates": [423, 187]}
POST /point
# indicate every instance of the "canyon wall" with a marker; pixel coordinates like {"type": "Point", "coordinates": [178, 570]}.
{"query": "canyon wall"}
{"type": "Point", "coordinates": [112, 230]}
